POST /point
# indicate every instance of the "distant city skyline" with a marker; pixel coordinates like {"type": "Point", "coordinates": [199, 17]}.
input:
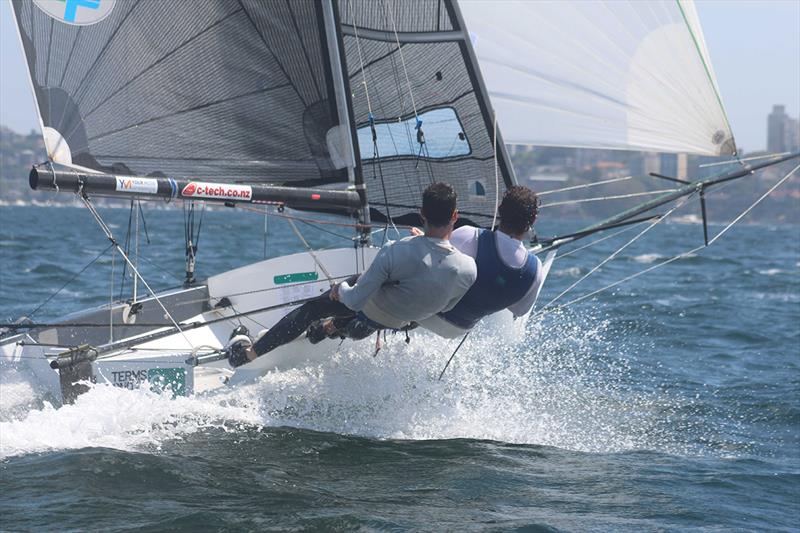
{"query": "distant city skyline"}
{"type": "Point", "coordinates": [753, 44]}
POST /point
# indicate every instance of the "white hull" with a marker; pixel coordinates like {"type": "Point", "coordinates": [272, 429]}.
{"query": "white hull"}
{"type": "Point", "coordinates": [258, 295]}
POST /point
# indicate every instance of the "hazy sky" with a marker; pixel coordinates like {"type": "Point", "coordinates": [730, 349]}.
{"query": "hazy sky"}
{"type": "Point", "coordinates": [754, 46]}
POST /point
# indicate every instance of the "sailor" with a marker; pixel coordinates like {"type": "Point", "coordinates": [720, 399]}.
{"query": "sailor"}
{"type": "Point", "coordinates": [409, 281]}
{"type": "Point", "coordinates": [509, 277]}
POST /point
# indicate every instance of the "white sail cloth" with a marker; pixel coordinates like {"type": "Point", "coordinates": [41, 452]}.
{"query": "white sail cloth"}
{"type": "Point", "coordinates": [629, 75]}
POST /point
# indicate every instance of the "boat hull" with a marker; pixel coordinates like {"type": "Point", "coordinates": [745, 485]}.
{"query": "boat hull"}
{"type": "Point", "coordinates": [137, 345]}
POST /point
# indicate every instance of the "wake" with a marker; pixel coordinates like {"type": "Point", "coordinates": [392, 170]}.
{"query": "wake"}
{"type": "Point", "coordinates": [557, 383]}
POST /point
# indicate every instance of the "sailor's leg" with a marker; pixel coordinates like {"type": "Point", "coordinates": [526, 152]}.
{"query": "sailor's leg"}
{"type": "Point", "coordinates": [295, 323]}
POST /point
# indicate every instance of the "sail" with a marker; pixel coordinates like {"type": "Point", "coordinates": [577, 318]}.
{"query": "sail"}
{"type": "Point", "coordinates": [631, 75]}
{"type": "Point", "coordinates": [420, 111]}
{"type": "Point", "coordinates": [217, 90]}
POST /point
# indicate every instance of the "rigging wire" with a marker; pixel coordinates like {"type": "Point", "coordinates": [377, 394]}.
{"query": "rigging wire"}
{"type": "Point", "coordinates": [311, 253]}
{"type": "Point", "coordinates": [738, 160]}
{"type": "Point", "coordinates": [677, 256]}
{"type": "Point", "coordinates": [402, 60]}
{"type": "Point", "coordinates": [114, 242]}
{"type": "Point", "coordinates": [447, 364]}
{"type": "Point", "coordinates": [597, 241]}
{"type": "Point", "coordinates": [418, 127]}
{"type": "Point", "coordinates": [496, 174]}
{"type": "Point", "coordinates": [584, 186]}
{"type": "Point", "coordinates": [70, 280]}
{"type": "Point", "coordinates": [312, 220]}
{"type": "Point", "coordinates": [127, 250]}
{"type": "Point", "coordinates": [614, 254]}
{"type": "Point", "coordinates": [371, 118]}
{"type": "Point", "coordinates": [604, 198]}
{"type": "Point", "coordinates": [111, 302]}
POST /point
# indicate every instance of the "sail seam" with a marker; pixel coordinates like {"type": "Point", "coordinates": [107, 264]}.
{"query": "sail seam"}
{"type": "Point", "coordinates": [269, 49]}
{"type": "Point", "coordinates": [160, 60]}
{"type": "Point", "coordinates": [305, 50]}
{"type": "Point", "coordinates": [195, 108]}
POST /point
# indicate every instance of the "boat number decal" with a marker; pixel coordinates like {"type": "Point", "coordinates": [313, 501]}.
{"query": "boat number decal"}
{"type": "Point", "coordinates": [295, 277]}
{"type": "Point", "coordinates": [76, 12]}
{"type": "Point", "coordinates": [140, 185]}
{"type": "Point", "coordinates": [160, 379]}
{"type": "Point", "coordinates": [217, 191]}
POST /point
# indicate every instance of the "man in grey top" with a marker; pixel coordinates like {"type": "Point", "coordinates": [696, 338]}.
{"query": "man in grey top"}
{"type": "Point", "coordinates": [409, 280]}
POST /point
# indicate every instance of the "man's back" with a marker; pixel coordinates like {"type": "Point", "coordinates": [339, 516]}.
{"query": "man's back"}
{"type": "Point", "coordinates": [410, 280]}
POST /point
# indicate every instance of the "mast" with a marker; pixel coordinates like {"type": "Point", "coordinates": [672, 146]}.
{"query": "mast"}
{"type": "Point", "coordinates": [344, 108]}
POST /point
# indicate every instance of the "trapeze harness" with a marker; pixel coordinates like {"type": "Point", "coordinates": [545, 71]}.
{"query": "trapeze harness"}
{"type": "Point", "coordinates": [497, 286]}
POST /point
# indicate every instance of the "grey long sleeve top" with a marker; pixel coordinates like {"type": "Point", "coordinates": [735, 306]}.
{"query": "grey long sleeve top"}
{"type": "Point", "coordinates": [410, 280]}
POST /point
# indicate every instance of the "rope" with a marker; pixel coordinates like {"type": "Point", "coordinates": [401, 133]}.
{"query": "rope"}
{"type": "Point", "coordinates": [403, 61]}
{"type": "Point", "coordinates": [360, 57]}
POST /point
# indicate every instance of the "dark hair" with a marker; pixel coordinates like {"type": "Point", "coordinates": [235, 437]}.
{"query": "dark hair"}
{"type": "Point", "coordinates": [438, 204]}
{"type": "Point", "coordinates": [518, 209]}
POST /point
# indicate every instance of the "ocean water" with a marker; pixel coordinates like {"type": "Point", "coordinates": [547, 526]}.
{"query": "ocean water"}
{"type": "Point", "coordinates": [671, 403]}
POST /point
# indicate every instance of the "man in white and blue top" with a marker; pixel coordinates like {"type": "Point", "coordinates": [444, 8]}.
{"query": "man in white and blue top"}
{"type": "Point", "coordinates": [509, 277]}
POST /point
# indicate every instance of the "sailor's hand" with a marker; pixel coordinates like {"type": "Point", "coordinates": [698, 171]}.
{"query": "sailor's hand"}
{"type": "Point", "coordinates": [334, 294]}
{"type": "Point", "coordinates": [416, 232]}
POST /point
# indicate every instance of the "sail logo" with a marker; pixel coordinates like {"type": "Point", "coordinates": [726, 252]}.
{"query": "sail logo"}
{"type": "Point", "coordinates": [217, 191]}
{"type": "Point", "coordinates": [137, 185]}
{"type": "Point", "coordinates": [76, 12]}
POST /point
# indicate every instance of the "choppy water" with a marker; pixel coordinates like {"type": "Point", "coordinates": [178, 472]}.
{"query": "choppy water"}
{"type": "Point", "coordinates": [671, 403]}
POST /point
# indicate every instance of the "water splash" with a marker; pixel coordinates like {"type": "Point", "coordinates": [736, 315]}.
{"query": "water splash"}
{"type": "Point", "coordinates": [559, 382]}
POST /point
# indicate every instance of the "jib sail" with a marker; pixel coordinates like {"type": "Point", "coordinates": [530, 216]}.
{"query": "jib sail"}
{"type": "Point", "coordinates": [632, 75]}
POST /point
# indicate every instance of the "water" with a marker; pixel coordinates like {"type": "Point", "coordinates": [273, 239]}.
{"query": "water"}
{"type": "Point", "coordinates": [670, 403]}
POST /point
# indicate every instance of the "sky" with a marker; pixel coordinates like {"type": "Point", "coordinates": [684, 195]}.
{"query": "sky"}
{"type": "Point", "coordinates": [754, 47]}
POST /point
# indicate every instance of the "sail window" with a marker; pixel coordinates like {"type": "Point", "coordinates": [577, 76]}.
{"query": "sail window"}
{"type": "Point", "coordinates": [444, 137]}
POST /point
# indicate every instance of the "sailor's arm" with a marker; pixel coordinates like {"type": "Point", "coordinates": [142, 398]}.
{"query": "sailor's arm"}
{"type": "Point", "coordinates": [468, 273]}
{"type": "Point", "coordinates": [522, 306]}
{"type": "Point", "coordinates": [377, 274]}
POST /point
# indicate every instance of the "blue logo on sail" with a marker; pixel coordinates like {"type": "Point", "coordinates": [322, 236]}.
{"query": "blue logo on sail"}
{"type": "Point", "coordinates": [71, 9]}
{"type": "Point", "coordinates": [76, 12]}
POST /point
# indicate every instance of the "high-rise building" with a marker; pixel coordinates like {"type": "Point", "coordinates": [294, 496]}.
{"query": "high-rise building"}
{"type": "Point", "coordinates": [783, 132]}
{"type": "Point", "coordinates": [674, 165]}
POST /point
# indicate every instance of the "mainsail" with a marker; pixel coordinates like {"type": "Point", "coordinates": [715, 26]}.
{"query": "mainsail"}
{"type": "Point", "coordinates": [632, 75]}
{"type": "Point", "coordinates": [304, 93]}
{"type": "Point", "coordinates": [218, 90]}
